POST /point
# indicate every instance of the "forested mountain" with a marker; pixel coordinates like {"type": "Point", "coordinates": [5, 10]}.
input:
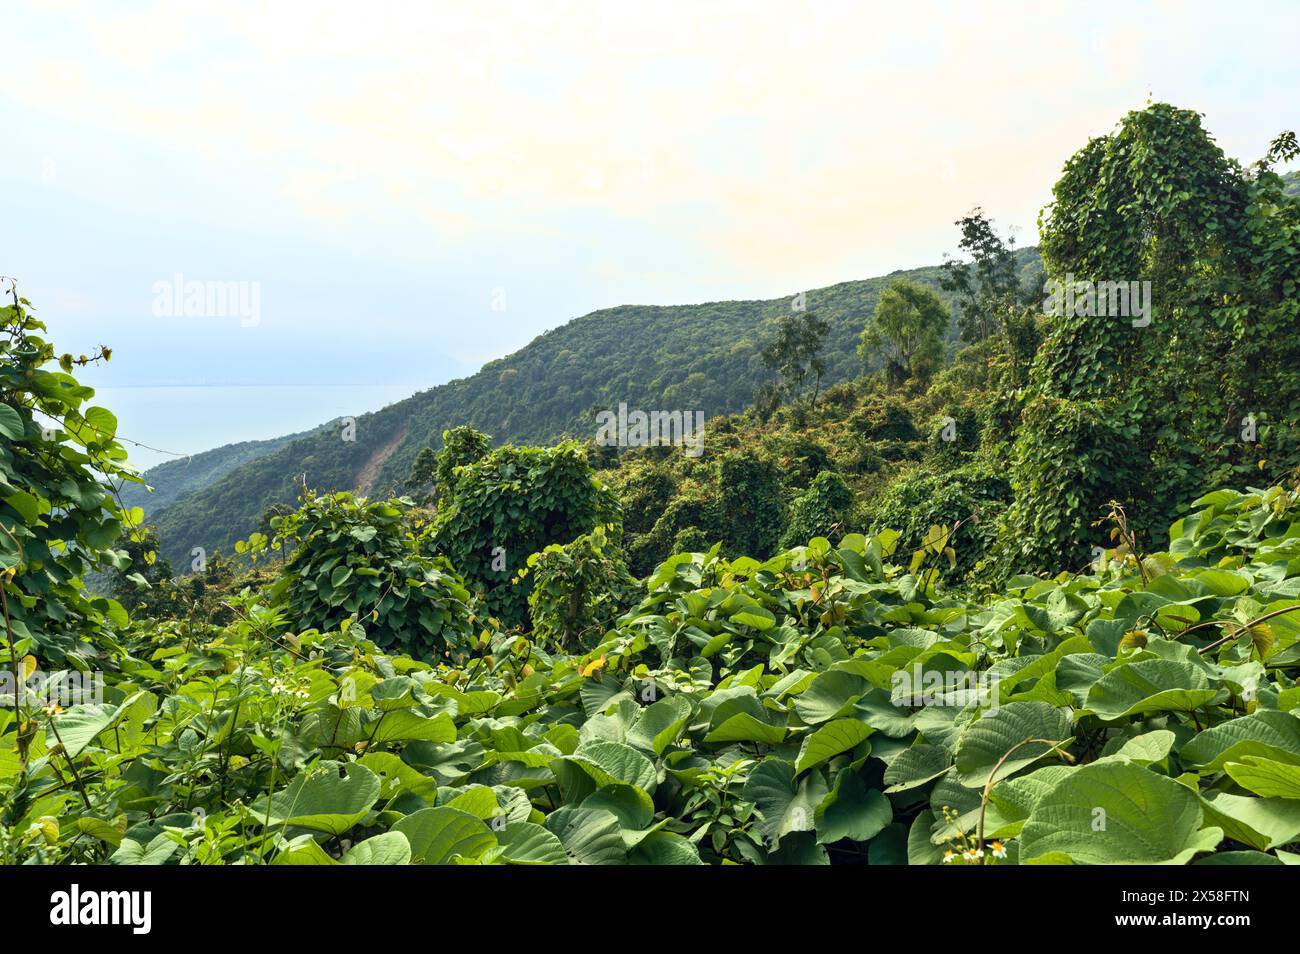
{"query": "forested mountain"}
{"type": "Point", "coordinates": [179, 478]}
{"type": "Point", "coordinates": [702, 357]}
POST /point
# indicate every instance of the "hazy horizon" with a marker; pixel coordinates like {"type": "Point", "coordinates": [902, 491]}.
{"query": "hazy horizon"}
{"type": "Point", "coordinates": [409, 195]}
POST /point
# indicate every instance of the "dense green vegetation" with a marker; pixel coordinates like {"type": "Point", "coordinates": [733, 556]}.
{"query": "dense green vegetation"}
{"type": "Point", "coordinates": [1042, 419]}
{"type": "Point", "coordinates": [1039, 605]}
{"type": "Point", "coordinates": [693, 357]}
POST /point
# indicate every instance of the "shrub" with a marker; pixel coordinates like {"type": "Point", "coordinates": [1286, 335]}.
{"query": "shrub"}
{"type": "Point", "coordinates": [821, 511]}
{"type": "Point", "coordinates": [922, 499]}
{"type": "Point", "coordinates": [578, 590]}
{"type": "Point", "coordinates": [884, 420]}
{"type": "Point", "coordinates": [355, 558]}
{"type": "Point", "coordinates": [510, 504]}
{"type": "Point", "coordinates": [751, 509]}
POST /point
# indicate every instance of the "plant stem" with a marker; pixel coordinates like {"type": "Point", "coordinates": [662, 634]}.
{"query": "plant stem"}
{"type": "Point", "coordinates": [988, 786]}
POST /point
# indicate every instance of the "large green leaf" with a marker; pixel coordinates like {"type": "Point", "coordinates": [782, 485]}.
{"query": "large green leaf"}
{"type": "Point", "coordinates": [743, 727]}
{"type": "Point", "coordinates": [611, 763]}
{"type": "Point", "coordinates": [659, 725]}
{"type": "Point", "coordinates": [323, 799]}
{"type": "Point", "coordinates": [1262, 823]}
{"type": "Point", "coordinates": [1146, 748]}
{"type": "Point", "coordinates": [915, 766]}
{"type": "Point", "coordinates": [1266, 777]}
{"type": "Point", "coordinates": [852, 811]}
{"type": "Point", "coordinates": [1013, 800]}
{"type": "Point", "coordinates": [158, 851]}
{"type": "Point", "coordinates": [407, 725]}
{"type": "Point", "coordinates": [786, 805]}
{"type": "Point", "coordinates": [829, 741]}
{"type": "Point", "coordinates": [304, 850]}
{"type": "Point", "coordinates": [1266, 733]}
{"type": "Point", "coordinates": [11, 425]}
{"type": "Point", "coordinates": [439, 836]}
{"type": "Point", "coordinates": [79, 726]}
{"type": "Point", "coordinates": [1151, 685]}
{"type": "Point", "coordinates": [523, 843]}
{"type": "Point", "coordinates": [664, 848]}
{"type": "Point", "coordinates": [590, 836]}
{"type": "Point", "coordinates": [1103, 814]}
{"type": "Point", "coordinates": [390, 848]}
{"type": "Point", "coordinates": [986, 741]}
{"type": "Point", "coordinates": [831, 694]}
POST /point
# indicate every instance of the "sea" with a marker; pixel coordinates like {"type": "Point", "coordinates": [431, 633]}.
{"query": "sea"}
{"type": "Point", "coordinates": [157, 424]}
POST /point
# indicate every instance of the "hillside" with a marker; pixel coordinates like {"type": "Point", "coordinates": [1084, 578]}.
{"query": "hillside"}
{"type": "Point", "coordinates": [689, 357]}
{"type": "Point", "coordinates": [865, 457]}
{"type": "Point", "coordinates": [180, 478]}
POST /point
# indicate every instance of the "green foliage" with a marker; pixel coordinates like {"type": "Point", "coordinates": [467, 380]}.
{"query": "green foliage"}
{"type": "Point", "coordinates": [461, 446]}
{"type": "Point", "coordinates": [886, 420]}
{"type": "Point", "coordinates": [823, 706]}
{"type": "Point", "coordinates": [973, 495]}
{"type": "Point", "coordinates": [906, 332]}
{"type": "Point", "coordinates": [795, 354]}
{"type": "Point", "coordinates": [421, 482]}
{"type": "Point", "coordinates": [498, 510]}
{"type": "Point", "coordinates": [141, 584]}
{"type": "Point", "coordinates": [578, 589]}
{"type": "Point", "coordinates": [355, 559]}
{"type": "Point", "coordinates": [750, 509]}
{"type": "Point", "coordinates": [58, 515]}
{"type": "Point", "coordinates": [1107, 413]}
{"type": "Point", "coordinates": [820, 511]}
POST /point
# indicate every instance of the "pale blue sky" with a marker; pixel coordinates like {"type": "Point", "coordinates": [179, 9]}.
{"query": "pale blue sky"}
{"type": "Point", "coordinates": [382, 170]}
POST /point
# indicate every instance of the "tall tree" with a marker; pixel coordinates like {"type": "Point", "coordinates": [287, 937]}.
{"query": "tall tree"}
{"type": "Point", "coordinates": [795, 354]}
{"type": "Point", "coordinates": [906, 331]}
{"type": "Point", "coordinates": [1196, 388]}
{"type": "Point", "coordinates": [988, 286]}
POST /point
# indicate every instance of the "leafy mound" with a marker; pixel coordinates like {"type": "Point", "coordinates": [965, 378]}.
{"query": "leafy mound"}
{"type": "Point", "coordinates": [357, 559]}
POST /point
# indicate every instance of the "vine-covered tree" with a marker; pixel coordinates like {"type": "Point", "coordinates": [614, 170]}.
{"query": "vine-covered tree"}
{"type": "Point", "coordinates": [509, 504]}
{"type": "Point", "coordinates": [59, 516]}
{"type": "Point", "coordinates": [1200, 390]}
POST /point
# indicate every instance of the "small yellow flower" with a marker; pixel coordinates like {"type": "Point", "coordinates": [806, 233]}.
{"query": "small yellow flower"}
{"type": "Point", "coordinates": [999, 850]}
{"type": "Point", "coordinates": [948, 856]}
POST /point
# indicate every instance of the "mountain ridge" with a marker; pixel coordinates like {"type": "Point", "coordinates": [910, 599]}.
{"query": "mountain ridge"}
{"type": "Point", "coordinates": [703, 357]}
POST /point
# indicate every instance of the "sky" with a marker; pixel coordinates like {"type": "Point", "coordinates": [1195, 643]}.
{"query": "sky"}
{"type": "Point", "coordinates": [403, 191]}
